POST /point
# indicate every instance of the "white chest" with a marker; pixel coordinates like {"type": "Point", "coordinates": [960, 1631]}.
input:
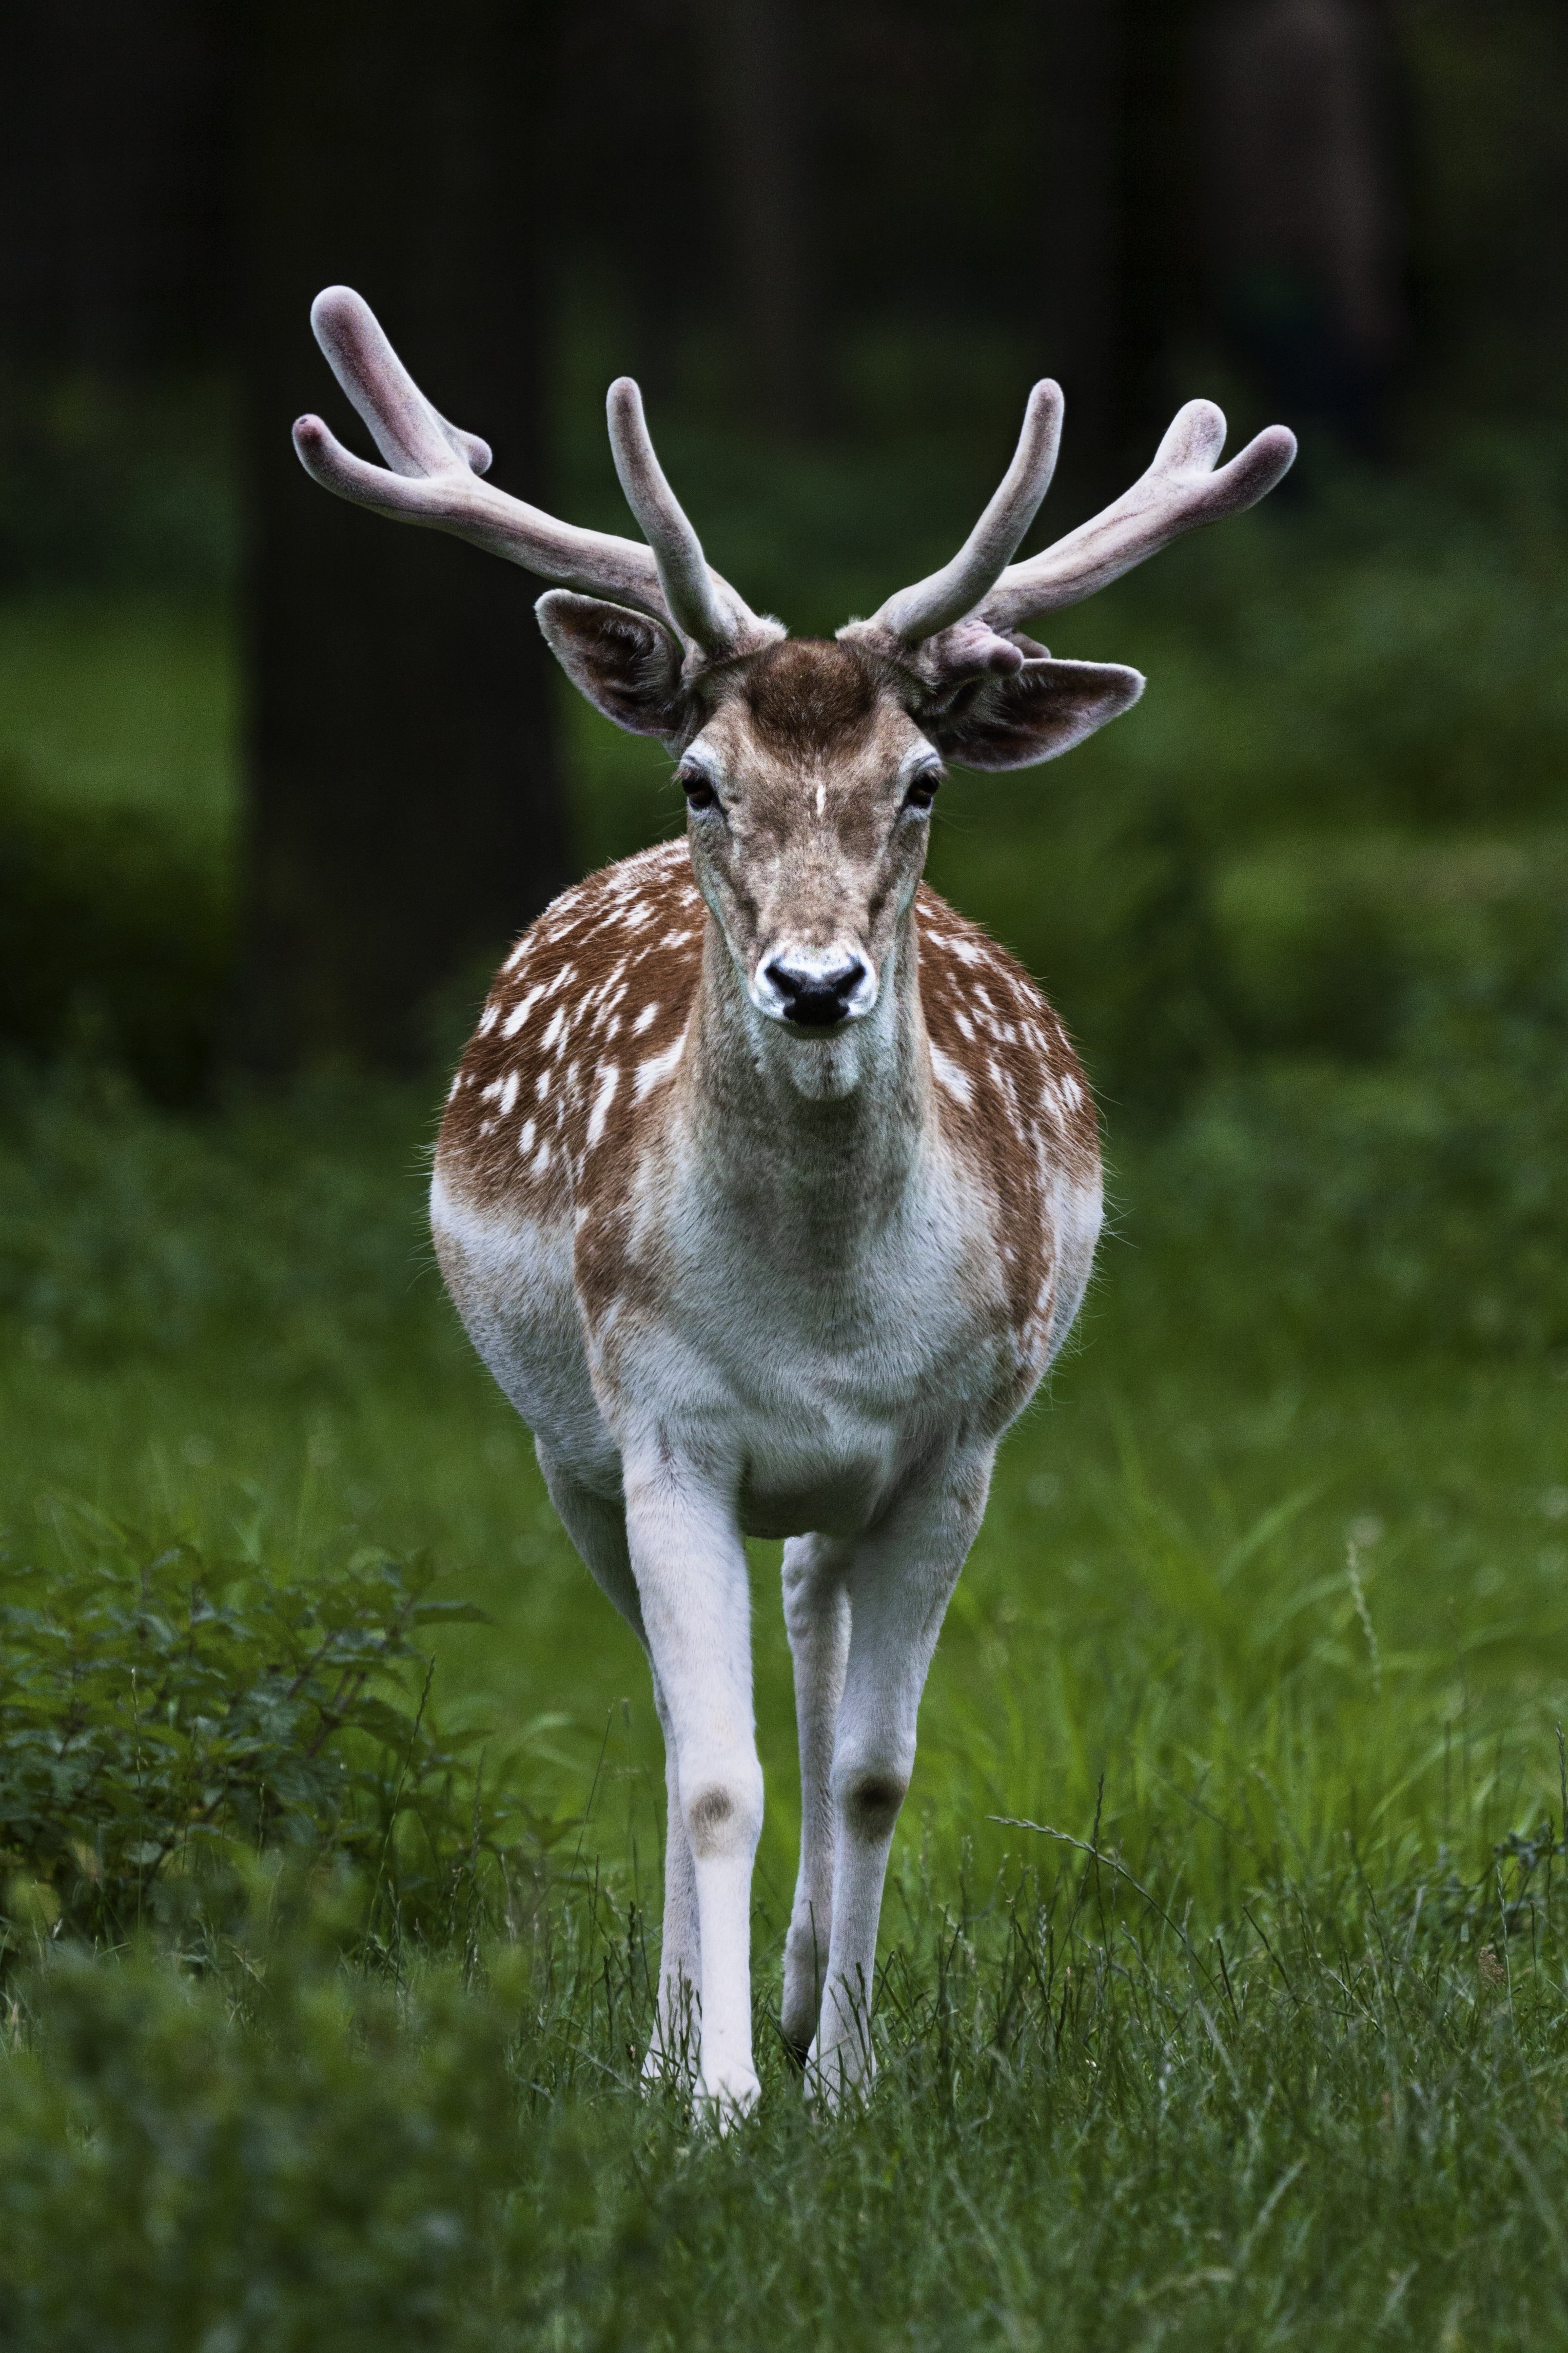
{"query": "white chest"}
{"type": "Point", "coordinates": [812, 1349]}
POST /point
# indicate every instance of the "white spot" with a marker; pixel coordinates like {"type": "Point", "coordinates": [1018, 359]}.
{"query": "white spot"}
{"type": "Point", "coordinates": [488, 1019]}
{"type": "Point", "coordinates": [949, 1075]}
{"type": "Point", "coordinates": [541, 1160]}
{"type": "Point", "coordinates": [965, 950]}
{"type": "Point", "coordinates": [557, 1023]}
{"type": "Point", "coordinates": [658, 1068]}
{"type": "Point", "coordinates": [452, 1090]}
{"type": "Point", "coordinates": [520, 1011]}
{"type": "Point", "coordinates": [821, 798]}
{"type": "Point", "coordinates": [525, 1141]}
{"type": "Point", "coordinates": [541, 1085]}
{"type": "Point", "coordinates": [645, 1019]}
{"type": "Point", "coordinates": [509, 1092]}
{"type": "Point", "coordinates": [609, 1079]}
{"type": "Point", "coordinates": [965, 1027]}
{"type": "Point", "coordinates": [674, 939]}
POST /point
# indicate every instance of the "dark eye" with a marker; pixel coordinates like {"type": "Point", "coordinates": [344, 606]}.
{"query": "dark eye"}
{"type": "Point", "coordinates": [923, 791]}
{"type": "Point", "coordinates": [700, 793]}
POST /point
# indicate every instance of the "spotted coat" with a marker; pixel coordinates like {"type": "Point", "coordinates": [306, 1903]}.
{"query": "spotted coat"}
{"type": "Point", "coordinates": [557, 1102]}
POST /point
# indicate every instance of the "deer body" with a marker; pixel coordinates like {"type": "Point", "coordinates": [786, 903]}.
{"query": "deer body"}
{"type": "Point", "coordinates": [768, 1187]}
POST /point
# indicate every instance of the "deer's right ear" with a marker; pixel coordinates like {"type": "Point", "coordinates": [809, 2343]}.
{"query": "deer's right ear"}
{"type": "Point", "coordinates": [627, 665]}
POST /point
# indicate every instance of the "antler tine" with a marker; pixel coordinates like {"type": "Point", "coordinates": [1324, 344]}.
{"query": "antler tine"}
{"type": "Point", "coordinates": [934, 604]}
{"type": "Point", "coordinates": [702, 605]}
{"type": "Point", "coordinates": [1180, 490]}
{"type": "Point", "coordinates": [412, 435]}
{"type": "Point", "coordinates": [435, 469]}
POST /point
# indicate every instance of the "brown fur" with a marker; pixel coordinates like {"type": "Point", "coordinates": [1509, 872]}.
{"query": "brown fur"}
{"type": "Point", "coordinates": [607, 979]}
{"type": "Point", "coordinates": [810, 698]}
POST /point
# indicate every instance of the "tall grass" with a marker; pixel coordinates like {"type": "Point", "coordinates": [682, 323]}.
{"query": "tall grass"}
{"type": "Point", "coordinates": [1221, 1996]}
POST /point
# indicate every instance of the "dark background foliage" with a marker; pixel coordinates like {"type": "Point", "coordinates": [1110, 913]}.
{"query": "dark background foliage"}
{"type": "Point", "coordinates": [835, 242]}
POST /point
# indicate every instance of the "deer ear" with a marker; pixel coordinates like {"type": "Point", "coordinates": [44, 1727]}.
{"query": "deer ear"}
{"type": "Point", "coordinates": [627, 665]}
{"type": "Point", "coordinates": [1035, 713]}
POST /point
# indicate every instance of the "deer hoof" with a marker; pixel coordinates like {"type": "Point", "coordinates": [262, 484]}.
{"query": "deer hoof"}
{"type": "Point", "coordinates": [727, 2096]}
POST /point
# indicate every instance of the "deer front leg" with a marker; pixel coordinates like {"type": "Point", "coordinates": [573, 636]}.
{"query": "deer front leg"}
{"type": "Point", "coordinates": [597, 1528]}
{"type": "Point", "coordinates": [899, 1586]}
{"type": "Point", "coordinates": [816, 1616]}
{"type": "Point", "coordinates": [674, 2046]}
{"type": "Point", "coordinates": [690, 1571]}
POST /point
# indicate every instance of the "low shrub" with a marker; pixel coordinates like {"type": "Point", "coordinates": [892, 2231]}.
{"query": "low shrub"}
{"type": "Point", "coordinates": [1415, 1199]}
{"type": "Point", "coordinates": [278, 1230]}
{"type": "Point", "coordinates": [115, 936]}
{"type": "Point", "coordinates": [166, 1719]}
{"type": "Point", "coordinates": [329, 2168]}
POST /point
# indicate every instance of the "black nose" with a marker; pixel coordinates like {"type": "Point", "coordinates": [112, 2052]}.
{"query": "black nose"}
{"type": "Point", "coordinates": [816, 1000]}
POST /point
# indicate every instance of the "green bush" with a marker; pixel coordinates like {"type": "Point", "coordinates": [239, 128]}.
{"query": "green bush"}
{"type": "Point", "coordinates": [270, 1232]}
{"type": "Point", "coordinates": [328, 2169]}
{"type": "Point", "coordinates": [1420, 1204]}
{"type": "Point", "coordinates": [166, 1719]}
{"type": "Point", "coordinates": [115, 934]}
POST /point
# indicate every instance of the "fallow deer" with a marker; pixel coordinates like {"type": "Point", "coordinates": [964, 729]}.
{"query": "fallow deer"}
{"type": "Point", "coordinates": [768, 1186]}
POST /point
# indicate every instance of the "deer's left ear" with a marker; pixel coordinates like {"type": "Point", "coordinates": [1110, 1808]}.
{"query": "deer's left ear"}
{"type": "Point", "coordinates": [1035, 713]}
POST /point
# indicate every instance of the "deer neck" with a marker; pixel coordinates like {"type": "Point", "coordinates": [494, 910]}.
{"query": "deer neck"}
{"type": "Point", "coordinates": [825, 1133]}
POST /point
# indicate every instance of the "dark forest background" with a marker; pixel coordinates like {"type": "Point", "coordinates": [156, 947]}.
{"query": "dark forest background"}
{"type": "Point", "coordinates": [836, 243]}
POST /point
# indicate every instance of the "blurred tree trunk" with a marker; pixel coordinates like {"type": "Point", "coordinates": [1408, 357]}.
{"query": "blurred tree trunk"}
{"type": "Point", "coordinates": [1075, 66]}
{"type": "Point", "coordinates": [760, 113]}
{"type": "Point", "coordinates": [113, 211]}
{"type": "Point", "coordinates": [1304, 230]}
{"type": "Point", "coordinates": [406, 812]}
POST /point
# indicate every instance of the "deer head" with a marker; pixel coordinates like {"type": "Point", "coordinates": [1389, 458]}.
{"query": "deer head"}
{"type": "Point", "coordinates": [809, 766]}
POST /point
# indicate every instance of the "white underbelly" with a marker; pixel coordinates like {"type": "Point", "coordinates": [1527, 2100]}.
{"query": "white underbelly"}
{"type": "Point", "coordinates": [815, 1407]}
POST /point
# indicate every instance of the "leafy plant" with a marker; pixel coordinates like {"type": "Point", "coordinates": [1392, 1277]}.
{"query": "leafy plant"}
{"type": "Point", "coordinates": [165, 1718]}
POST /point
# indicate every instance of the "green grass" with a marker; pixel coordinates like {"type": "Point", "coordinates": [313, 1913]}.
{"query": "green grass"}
{"type": "Point", "coordinates": [1270, 1608]}
{"type": "Point", "coordinates": [1087, 2130]}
